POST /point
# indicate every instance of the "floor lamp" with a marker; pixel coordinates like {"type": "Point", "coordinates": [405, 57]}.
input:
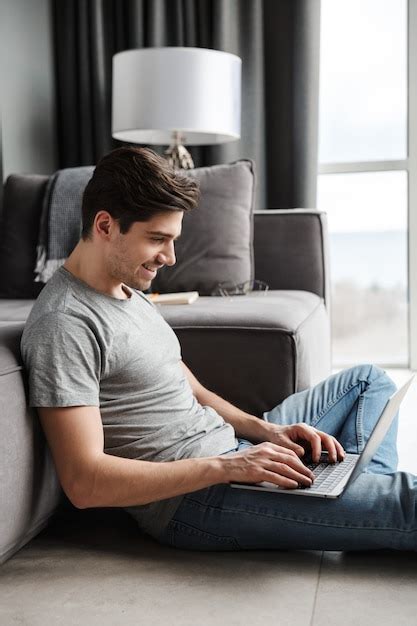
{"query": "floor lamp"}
{"type": "Point", "coordinates": [176, 97]}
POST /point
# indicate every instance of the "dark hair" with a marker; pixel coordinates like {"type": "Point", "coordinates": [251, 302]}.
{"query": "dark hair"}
{"type": "Point", "coordinates": [133, 185]}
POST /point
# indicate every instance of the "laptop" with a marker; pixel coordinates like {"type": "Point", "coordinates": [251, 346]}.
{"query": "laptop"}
{"type": "Point", "coordinates": [331, 479]}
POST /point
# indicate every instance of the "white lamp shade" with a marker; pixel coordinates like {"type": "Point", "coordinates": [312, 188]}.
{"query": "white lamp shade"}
{"type": "Point", "coordinates": [194, 91]}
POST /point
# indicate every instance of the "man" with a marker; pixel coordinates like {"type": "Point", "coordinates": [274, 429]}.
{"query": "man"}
{"type": "Point", "coordinates": [130, 426]}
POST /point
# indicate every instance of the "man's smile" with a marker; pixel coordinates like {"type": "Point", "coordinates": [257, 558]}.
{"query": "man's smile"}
{"type": "Point", "coordinates": [149, 270]}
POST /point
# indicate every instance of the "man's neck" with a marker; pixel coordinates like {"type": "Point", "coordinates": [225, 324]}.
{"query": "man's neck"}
{"type": "Point", "coordinates": [84, 265]}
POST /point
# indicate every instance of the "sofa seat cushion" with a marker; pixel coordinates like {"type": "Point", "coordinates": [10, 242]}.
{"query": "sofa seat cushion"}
{"type": "Point", "coordinates": [254, 350]}
{"type": "Point", "coordinates": [14, 310]}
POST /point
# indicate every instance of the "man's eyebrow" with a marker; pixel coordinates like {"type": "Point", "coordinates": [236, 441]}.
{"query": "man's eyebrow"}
{"type": "Point", "coordinates": [160, 233]}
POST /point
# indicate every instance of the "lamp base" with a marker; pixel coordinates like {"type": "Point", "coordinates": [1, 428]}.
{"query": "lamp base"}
{"type": "Point", "coordinates": [179, 157]}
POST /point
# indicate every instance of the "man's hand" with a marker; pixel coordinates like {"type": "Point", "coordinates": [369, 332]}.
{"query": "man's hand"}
{"type": "Point", "coordinates": [293, 437]}
{"type": "Point", "coordinates": [266, 462]}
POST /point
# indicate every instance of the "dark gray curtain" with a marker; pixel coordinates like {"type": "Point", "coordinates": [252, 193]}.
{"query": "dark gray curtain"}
{"type": "Point", "coordinates": [278, 41]}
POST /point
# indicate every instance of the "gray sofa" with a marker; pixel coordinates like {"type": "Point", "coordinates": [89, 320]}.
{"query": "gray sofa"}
{"type": "Point", "coordinates": [253, 350]}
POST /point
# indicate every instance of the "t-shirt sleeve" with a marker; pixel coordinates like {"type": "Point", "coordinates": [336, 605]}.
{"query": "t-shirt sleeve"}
{"type": "Point", "coordinates": [63, 360]}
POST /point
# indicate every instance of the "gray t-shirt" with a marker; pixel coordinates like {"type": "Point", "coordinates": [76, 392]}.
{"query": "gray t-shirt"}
{"type": "Point", "coordinates": [82, 347]}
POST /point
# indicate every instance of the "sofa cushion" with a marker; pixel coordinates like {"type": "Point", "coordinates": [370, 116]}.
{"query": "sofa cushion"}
{"type": "Point", "coordinates": [19, 230]}
{"type": "Point", "coordinates": [216, 244]}
{"type": "Point", "coordinates": [255, 350]}
{"type": "Point", "coordinates": [14, 310]}
{"type": "Point", "coordinates": [29, 488]}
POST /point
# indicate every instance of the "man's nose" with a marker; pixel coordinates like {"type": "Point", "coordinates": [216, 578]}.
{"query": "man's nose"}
{"type": "Point", "coordinates": [168, 254]}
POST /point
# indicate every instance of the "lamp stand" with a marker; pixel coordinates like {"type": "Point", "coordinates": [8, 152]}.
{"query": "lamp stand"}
{"type": "Point", "coordinates": [178, 155]}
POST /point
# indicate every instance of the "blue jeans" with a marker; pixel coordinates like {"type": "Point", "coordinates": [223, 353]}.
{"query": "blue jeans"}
{"type": "Point", "coordinates": [377, 511]}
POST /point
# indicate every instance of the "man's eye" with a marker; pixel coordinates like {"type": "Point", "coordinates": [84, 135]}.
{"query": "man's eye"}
{"type": "Point", "coordinates": [158, 239]}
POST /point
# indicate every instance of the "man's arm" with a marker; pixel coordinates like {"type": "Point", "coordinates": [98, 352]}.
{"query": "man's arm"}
{"type": "Point", "coordinates": [92, 478]}
{"type": "Point", "coordinates": [257, 430]}
{"type": "Point", "coordinates": [245, 425]}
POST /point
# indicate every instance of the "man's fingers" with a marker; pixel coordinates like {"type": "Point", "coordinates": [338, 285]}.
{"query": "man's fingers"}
{"type": "Point", "coordinates": [284, 456]}
{"type": "Point", "coordinates": [319, 440]}
{"type": "Point", "coordinates": [282, 469]}
{"type": "Point", "coordinates": [295, 447]}
{"type": "Point", "coordinates": [333, 447]}
{"type": "Point", "coordinates": [279, 448]}
{"type": "Point", "coordinates": [280, 481]}
{"type": "Point", "coordinates": [314, 440]}
{"type": "Point", "coordinates": [269, 459]}
{"type": "Point", "coordinates": [289, 472]}
{"type": "Point", "coordinates": [340, 450]}
{"type": "Point", "coordinates": [329, 444]}
{"type": "Point", "coordinates": [294, 463]}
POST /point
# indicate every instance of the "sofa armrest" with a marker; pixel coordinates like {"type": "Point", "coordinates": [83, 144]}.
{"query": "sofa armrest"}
{"type": "Point", "coordinates": [291, 250]}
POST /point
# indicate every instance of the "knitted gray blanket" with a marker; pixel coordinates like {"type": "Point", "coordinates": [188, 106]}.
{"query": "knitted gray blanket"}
{"type": "Point", "coordinates": [60, 226]}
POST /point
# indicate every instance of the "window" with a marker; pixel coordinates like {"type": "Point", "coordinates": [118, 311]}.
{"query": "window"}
{"type": "Point", "coordinates": [365, 176]}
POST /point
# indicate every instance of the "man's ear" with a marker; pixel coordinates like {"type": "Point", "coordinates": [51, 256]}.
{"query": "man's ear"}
{"type": "Point", "coordinates": [105, 224]}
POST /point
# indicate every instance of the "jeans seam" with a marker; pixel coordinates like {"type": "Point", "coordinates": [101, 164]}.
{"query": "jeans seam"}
{"type": "Point", "coordinates": [359, 424]}
{"type": "Point", "coordinates": [193, 531]}
{"type": "Point", "coordinates": [333, 402]}
{"type": "Point", "coordinates": [296, 519]}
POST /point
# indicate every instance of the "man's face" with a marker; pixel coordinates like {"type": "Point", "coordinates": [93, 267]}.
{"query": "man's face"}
{"type": "Point", "coordinates": [135, 257]}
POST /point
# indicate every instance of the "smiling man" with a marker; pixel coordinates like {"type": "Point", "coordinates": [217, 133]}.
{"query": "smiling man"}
{"type": "Point", "coordinates": [130, 426]}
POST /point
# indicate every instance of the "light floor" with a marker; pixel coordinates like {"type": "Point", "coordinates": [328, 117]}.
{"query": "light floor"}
{"type": "Point", "coordinates": [107, 575]}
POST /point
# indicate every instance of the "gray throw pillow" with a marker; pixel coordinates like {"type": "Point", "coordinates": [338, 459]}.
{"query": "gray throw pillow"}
{"type": "Point", "coordinates": [216, 244]}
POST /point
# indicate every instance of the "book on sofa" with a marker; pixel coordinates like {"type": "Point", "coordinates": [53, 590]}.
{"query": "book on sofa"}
{"type": "Point", "coordinates": [184, 297]}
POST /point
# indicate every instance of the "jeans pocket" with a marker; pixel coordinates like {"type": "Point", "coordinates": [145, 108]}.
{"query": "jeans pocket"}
{"type": "Point", "coordinates": [186, 537]}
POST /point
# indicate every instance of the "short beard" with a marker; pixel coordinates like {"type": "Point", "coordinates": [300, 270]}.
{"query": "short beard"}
{"type": "Point", "coordinates": [117, 268]}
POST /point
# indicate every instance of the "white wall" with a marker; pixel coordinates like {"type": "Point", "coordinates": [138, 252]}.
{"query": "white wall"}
{"type": "Point", "coordinates": [28, 122]}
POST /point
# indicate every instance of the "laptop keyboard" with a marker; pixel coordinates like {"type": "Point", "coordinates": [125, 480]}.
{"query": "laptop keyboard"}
{"type": "Point", "coordinates": [327, 476]}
